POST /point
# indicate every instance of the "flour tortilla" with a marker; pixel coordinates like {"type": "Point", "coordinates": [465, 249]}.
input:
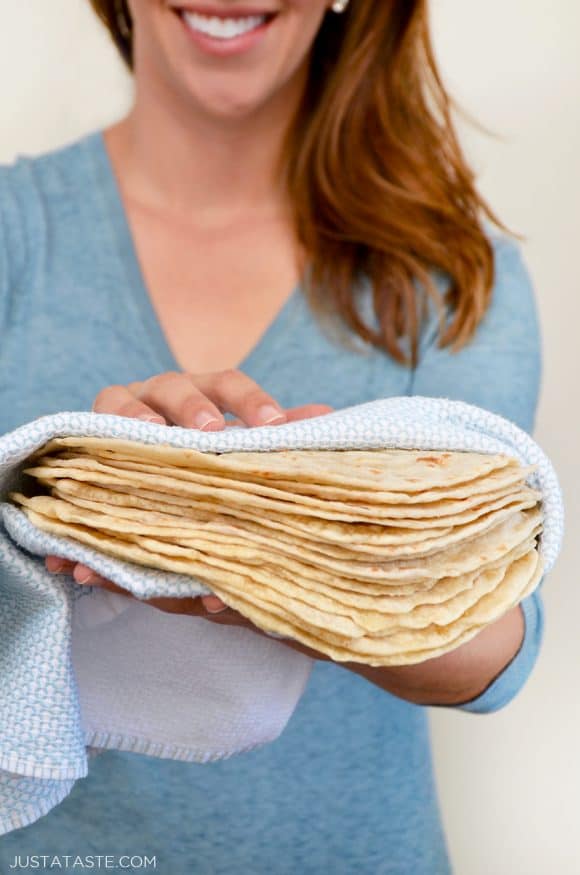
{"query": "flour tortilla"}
{"type": "Point", "coordinates": [260, 566]}
{"type": "Point", "coordinates": [510, 476]}
{"type": "Point", "coordinates": [230, 501]}
{"type": "Point", "coordinates": [236, 528]}
{"type": "Point", "coordinates": [69, 513]}
{"type": "Point", "coordinates": [415, 516]}
{"type": "Point", "coordinates": [267, 620]}
{"type": "Point", "coordinates": [479, 553]}
{"type": "Point", "coordinates": [130, 506]}
{"type": "Point", "coordinates": [444, 603]}
{"type": "Point", "coordinates": [401, 647]}
{"type": "Point", "coordinates": [501, 478]}
{"type": "Point", "coordinates": [216, 577]}
{"type": "Point", "coordinates": [360, 579]}
{"type": "Point", "coordinates": [520, 580]}
{"type": "Point", "coordinates": [272, 621]}
{"type": "Point", "coordinates": [457, 559]}
{"type": "Point", "coordinates": [367, 504]}
{"type": "Point", "coordinates": [308, 583]}
{"type": "Point", "coordinates": [218, 526]}
{"type": "Point", "coordinates": [333, 627]}
{"type": "Point", "coordinates": [386, 557]}
{"type": "Point", "coordinates": [386, 470]}
{"type": "Point", "coordinates": [333, 539]}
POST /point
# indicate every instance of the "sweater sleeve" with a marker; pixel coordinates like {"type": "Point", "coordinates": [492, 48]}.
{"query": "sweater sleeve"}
{"type": "Point", "coordinates": [498, 370]}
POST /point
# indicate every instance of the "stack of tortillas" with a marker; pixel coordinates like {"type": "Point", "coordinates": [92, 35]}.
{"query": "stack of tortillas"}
{"type": "Point", "coordinates": [384, 557]}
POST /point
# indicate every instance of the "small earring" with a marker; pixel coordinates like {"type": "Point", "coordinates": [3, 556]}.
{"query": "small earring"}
{"type": "Point", "coordinates": [339, 6]}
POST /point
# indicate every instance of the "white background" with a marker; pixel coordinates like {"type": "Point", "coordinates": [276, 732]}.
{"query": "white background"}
{"type": "Point", "coordinates": [510, 782]}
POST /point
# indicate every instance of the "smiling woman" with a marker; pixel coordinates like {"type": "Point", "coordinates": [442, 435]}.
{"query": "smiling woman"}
{"type": "Point", "coordinates": [284, 223]}
{"type": "Point", "coordinates": [369, 87]}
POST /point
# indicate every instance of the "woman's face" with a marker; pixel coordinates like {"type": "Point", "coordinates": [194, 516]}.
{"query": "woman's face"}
{"type": "Point", "coordinates": [228, 57]}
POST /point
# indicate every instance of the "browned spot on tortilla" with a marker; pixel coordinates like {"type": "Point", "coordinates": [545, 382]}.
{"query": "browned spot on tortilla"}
{"type": "Point", "coordinates": [432, 460]}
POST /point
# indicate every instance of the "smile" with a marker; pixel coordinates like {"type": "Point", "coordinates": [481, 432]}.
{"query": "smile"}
{"type": "Point", "coordinates": [223, 28]}
{"type": "Point", "coordinates": [225, 33]}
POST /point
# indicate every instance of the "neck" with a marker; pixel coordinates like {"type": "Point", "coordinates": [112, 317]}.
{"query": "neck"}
{"type": "Point", "coordinates": [182, 159]}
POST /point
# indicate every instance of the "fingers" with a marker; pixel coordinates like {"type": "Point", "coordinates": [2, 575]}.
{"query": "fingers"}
{"type": "Point", "coordinates": [294, 414]}
{"type": "Point", "coordinates": [58, 565]}
{"type": "Point", "coordinates": [81, 573]}
{"type": "Point", "coordinates": [180, 401]}
{"type": "Point", "coordinates": [168, 397]}
{"type": "Point", "coordinates": [205, 607]}
{"type": "Point", "coordinates": [208, 607]}
{"type": "Point", "coordinates": [87, 577]}
{"type": "Point", "coordinates": [235, 392]}
{"type": "Point", "coordinates": [122, 402]}
{"type": "Point", "coordinates": [200, 401]}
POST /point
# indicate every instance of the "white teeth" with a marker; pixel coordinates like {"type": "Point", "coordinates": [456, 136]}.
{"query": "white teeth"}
{"type": "Point", "coordinates": [223, 28]}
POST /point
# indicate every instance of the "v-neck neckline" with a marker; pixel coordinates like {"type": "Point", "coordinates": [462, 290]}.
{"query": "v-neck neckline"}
{"type": "Point", "coordinates": [124, 244]}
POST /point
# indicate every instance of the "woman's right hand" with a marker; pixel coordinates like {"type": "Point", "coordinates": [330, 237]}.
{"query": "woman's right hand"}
{"type": "Point", "coordinates": [200, 401]}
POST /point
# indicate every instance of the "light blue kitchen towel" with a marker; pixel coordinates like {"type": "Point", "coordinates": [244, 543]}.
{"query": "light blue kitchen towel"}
{"type": "Point", "coordinates": [82, 669]}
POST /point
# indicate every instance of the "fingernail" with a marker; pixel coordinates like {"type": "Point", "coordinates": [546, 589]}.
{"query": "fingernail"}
{"type": "Point", "coordinates": [216, 609]}
{"type": "Point", "coordinates": [269, 414]}
{"type": "Point", "coordinates": [203, 419]}
{"type": "Point", "coordinates": [57, 567]}
{"type": "Point", "coordinates": [85, 578]}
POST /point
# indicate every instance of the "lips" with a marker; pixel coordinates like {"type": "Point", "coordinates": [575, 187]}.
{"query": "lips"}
{"type": "Point", "coordinates": [223, 28]}
{"type": "Point", "coordinates": [225, 32]}
{"type": "Point", "coordinates": [220, 12]}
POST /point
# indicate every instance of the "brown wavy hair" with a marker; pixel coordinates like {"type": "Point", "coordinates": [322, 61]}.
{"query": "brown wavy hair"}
{"type": "Point", "coordinates": [380, 186]}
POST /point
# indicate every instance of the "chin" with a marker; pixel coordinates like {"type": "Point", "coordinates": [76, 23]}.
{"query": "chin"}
{"type": "Point", "coordinates": [223, 104]}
